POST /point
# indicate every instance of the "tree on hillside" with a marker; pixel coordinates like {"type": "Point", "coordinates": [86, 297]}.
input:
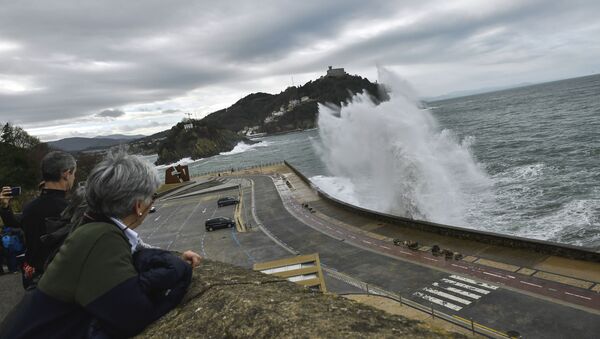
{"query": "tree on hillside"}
{"type": "Point", "coordinates": [16, 136]}
{"type": "Point", "coordinates": [21, 157]}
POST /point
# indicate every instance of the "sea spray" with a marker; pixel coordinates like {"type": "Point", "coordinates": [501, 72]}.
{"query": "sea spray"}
{"type": "Point", "coordinates": [394, 158]}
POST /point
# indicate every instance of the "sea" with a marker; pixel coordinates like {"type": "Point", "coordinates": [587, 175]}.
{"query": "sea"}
{"type": "Point", "coordinates": [523, 161]}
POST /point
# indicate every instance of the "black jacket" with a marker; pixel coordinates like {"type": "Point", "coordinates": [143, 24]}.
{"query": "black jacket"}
{"type": "Point", "coordinates": [49, 204]}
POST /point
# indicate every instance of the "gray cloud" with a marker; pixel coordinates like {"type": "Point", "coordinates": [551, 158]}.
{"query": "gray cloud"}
{"type": "Point", "coordinates": [111, 113]}
{"type": "Point", "coordinates": [170, 111]}
{"type": "Point", "coordinates": [70, 60]}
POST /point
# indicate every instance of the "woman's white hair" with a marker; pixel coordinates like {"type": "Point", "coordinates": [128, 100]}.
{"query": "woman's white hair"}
{"type": "Point", "coordinates": [118, 182]}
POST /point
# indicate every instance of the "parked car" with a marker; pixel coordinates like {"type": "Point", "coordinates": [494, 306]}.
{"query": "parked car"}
{"type": "Point", "coordinates": [227, 201]}
{"type": "Point", "coordinates": [152, 209]}
{"type": "Point", "coordinates": [219, 222]}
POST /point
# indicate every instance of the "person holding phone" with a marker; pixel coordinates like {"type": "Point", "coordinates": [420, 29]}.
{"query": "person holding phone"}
{"type": "Point", "coordinates": [58, 172]}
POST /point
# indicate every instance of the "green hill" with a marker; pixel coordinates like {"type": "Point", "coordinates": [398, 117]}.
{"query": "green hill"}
{"type": "Point", "coordinates": [296, 108]}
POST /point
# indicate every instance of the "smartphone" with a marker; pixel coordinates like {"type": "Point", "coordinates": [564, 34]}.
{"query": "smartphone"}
{"type": "Point", "coordinates": [15, 191]}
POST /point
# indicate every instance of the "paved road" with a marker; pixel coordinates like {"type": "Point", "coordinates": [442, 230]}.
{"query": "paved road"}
{"type": "Point", "coordinates": [178, 224]}
{"type": "Point", "coordinates": [494, 305]}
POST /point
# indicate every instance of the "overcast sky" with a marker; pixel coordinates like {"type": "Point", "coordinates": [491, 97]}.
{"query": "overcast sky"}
{"type": "Point", "coordinates": [87, 68]}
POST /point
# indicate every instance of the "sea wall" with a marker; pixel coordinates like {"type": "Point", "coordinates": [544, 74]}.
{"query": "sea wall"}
{"type": "Point", "coordinates": [541, 246]}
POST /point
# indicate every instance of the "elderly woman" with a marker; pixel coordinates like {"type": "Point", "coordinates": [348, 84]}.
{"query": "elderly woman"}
{"type": "Point", "coordinates": [99, 283]}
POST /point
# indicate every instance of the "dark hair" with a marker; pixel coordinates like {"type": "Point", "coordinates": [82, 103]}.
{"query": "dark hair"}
{"type": "Point", "coordinates": [55, 164]}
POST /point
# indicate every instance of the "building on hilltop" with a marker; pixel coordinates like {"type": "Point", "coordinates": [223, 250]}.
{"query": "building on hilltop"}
{"type": "Point", "coordinates": [335, 72]}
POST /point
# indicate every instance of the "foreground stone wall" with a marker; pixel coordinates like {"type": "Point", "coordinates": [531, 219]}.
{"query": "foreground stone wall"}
{"type": "Point", "coordinates": [227, 301]}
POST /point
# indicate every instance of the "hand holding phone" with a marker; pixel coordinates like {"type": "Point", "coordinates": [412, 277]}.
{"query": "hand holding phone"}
{"type": "Point", "coordinates": [15, 191]}
{"type": "Point", "coordinates": [5, 196]}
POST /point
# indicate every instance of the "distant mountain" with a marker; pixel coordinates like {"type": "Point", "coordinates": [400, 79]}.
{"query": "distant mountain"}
{"type": "Point", "coordinates": [79, 144]}
{"type": "Point", "coordinates": [120, 136]}
{"type": "Point", "coordinates": [464, 93]}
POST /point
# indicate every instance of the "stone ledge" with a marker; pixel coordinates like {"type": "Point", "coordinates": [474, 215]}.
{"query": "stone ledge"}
{"type": "Point", "coordinates": [227, 301]}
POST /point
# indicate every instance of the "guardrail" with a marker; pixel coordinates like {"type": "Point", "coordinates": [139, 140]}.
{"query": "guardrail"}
{"type": "Point", "coordinates": [371, 289]}
{"type": "Point", "coordinates": [231, 169]}
{"type": "Point", "coordinates": [541, 246]}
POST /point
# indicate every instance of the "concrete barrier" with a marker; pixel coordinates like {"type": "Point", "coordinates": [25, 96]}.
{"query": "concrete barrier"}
{"type": "Point", "coordinates": [540, 246]}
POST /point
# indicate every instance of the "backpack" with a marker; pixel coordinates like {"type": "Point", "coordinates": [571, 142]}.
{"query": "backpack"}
{"type": "Point", "coordinates": [12, 240]}
{"type": "Point", "coordinates": [57, 230]}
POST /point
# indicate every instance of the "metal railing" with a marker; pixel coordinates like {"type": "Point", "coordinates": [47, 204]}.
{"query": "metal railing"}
{"type": "Point", "coordinates": [371, 289]}
{"type": "Point", "coordinates": [229, 169]}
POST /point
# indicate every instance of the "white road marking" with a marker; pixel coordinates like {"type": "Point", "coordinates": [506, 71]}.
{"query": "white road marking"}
{"type": "Point", "coordinates": [446, 295]}
{"type": "Point", "coordinates": [465, 267]}
{"type": "Point", "coordinates": [407, 253]}
{"type": "Point", "coordinates": [494, 275]}
{"type": "Point", "coordinates": [458, 291]}
{"type": "Point", "coordinates": [339, 232]}
{"type": "Point", "coordinates": [438, 301]}
{"type": "Point", "coordinates": [551, 289]}
{"type": "Point", "coordinates": [204, 210]}
{"type": "Point", "coordinates": [387, 248]}
{"type": "Point", "coordinates": [157, 218]}
{"type": "Point", "coordinates": [527, 283]}
{"type": "Point", "coordinates": [430, 259]}
{"type": "Point", "coordinates": [471, 281]}
{"type": "Point", "coordinates": [351, 236]}
{"type": "Point", "coordinates": [469, 287]}
{"type": "Point", "coordinates": [367, 242]}
{"type": "Point", "coordinates": [578, 296]}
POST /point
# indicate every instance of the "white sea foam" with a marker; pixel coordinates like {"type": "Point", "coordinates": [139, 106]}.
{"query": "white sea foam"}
{"type": "Point", "coordinates": [397, 158]}
{"type": "Point", "coordinates": [184, 161]}
{"type": "Point", "coordinates": [242, 147]}
{"type": "Point", "coordinates": [340, 188]}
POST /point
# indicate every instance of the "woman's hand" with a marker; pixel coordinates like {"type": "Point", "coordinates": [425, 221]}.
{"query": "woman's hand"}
{"type": "Point", "coordinates": [5, 196]}
{"type": "Point", "coordinates": [191, 258]}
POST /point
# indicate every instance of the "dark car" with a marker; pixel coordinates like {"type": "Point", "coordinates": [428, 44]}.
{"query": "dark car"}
{"type": "Point", "coordinates": [219, 222]}
{"type": "Point", "coordinates": [227, 201]}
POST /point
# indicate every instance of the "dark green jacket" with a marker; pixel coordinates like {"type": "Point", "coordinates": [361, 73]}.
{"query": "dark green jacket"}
{"type": "Point", "coordinates": [93, 278]}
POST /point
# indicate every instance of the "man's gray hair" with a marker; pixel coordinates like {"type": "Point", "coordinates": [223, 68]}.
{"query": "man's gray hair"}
{"type": "Point", "coordinates": [118, 182]}
{"type": "Point", "coordinates": [55, 164]}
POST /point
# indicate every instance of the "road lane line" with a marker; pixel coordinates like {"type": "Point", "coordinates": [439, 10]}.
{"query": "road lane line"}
{"type": "Point", "coordinates": [494, 275]}
{"type": "Point", "coordinates": [157, 218]}
{"type": "Point", "coordinates": [464, 267]}
{"type": "Point", "coordinates": [407, 253]}
{"type": "Point", "coordinates": [447, 296]}
{"type": "Point", "coordinates": [527, 283]}
{"type": "Point", "coordinates": [351, 236]}
{"type": "Point", "coordinates": [578, 296]}
{"type": "Point", "coordinates": [471, 281]}
{"type": "Point", "coordinates": [387, 248]}
{"type": "Point", "coordinates": [438, 301]}
{"type": "Point", "coordinates": [204, 210]}
{"type": "Point", "coordinates": [430, 259]}
{"type": "Point", "coordinates": [367, 242]}
{"type": "Point", "coordinates": [469, 287]}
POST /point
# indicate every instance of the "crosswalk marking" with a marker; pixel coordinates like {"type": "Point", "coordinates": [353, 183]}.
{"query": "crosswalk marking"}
{"type": "Point", "coordinates": [469, 287]}
{"type": "Point", "coordinates": [454, 293]}
{"type": "Point", "coordinates": [473, 282]}
{"type": "Point", "coordinates": [447, 295]}
{"type": "Point", "coordinates": [438, 301]}
{"type": "Point", "coordinates": [457, 291]}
